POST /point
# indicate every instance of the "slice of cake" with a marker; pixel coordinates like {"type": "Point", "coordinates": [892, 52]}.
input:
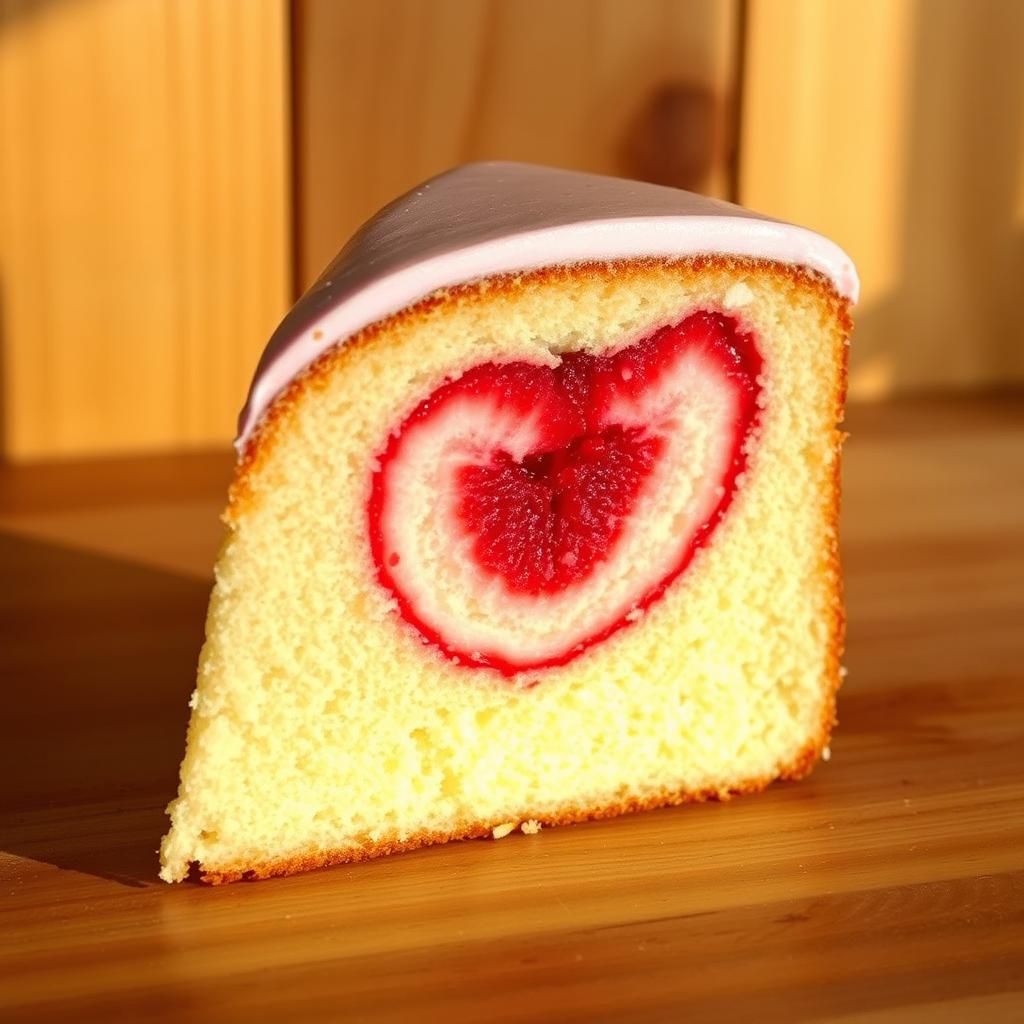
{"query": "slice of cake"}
{"type": "Point", "coordinates": [534, 521]}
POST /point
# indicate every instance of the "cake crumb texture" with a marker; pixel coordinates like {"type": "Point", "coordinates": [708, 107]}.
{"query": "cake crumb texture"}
{"type": "Point", "coordinates": [325, 731]}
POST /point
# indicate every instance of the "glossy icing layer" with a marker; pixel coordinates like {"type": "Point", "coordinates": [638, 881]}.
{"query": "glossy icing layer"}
{"type": "Point", "coordinates": [485, 219]}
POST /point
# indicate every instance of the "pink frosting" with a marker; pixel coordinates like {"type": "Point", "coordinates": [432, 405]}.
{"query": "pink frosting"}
{"type": "Point", "coordinates": [493, 218]}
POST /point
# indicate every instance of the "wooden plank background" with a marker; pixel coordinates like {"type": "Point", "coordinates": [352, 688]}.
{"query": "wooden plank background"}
{"type": "Point", "coordinates": [144, 217]}
{"type": "Point", "coordinates": [897, 128]}
{"type": "Point", "coordinates": [151, 226]}
{"type": "Point", "coordinates": [392, 92]}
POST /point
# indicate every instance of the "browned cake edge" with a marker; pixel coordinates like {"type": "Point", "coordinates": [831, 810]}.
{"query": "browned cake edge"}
{"type": "Point", "coordinates": [571, 815]}
{"type": "Point", "coordinates": [319, 371]}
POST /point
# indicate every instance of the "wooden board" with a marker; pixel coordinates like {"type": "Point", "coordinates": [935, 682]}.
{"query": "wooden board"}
{"type": "Point", "coordinates": [390, 93]}
{"type": "Point", "coordinates": [888, 886]}
{"type": "Point", "coordinates": [897, 128]}
{"type": "Point", "coordinates": [144, 218]}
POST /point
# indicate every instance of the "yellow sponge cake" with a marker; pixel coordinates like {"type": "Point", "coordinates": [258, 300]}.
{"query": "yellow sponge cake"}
{"type": "Point", "coordinates": [534, 521]}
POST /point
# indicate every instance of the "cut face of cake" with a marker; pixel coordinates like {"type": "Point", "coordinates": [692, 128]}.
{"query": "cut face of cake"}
{"type": "Point", "coordinates": [534, 521]}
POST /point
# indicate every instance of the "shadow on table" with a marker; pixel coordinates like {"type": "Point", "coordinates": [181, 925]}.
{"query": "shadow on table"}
{"type": "Point", "coordinates": [98, 660]}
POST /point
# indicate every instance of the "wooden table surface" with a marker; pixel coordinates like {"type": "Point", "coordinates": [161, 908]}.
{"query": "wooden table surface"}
{"type": "Point", "coordinates": [888, 886]}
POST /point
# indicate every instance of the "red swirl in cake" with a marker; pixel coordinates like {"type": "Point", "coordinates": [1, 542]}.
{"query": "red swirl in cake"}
{"type": "Point", "coordinates": [523, 512]}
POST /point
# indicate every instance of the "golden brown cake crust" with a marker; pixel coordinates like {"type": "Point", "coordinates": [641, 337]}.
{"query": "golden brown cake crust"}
{"type": "Point", "coordinates": [316, 375]}
{"type": "Point", "coordinates": [478, 830]}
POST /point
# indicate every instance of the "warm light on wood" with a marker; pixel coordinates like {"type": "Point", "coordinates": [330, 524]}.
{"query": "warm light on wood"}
{"type": "Point", "coordinates": [144, 217]}
{"type": "Point", "coordinates": [888, 886]}
{"type": "Point", "coordinates": [147, 214]}
{"type": "Point", "coordinates": [390, 93]}
{"type": "Point", "coordinates": [897, 128]}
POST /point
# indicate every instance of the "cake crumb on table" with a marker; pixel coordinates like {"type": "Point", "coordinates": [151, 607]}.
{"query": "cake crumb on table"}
{"type": "Point", "coordinates": [531, 827]}
{"type": "Point", "coordinates": [500, 831]}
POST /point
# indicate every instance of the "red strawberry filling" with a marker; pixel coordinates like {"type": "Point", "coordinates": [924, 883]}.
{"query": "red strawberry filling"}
{"type": "Point", "coordinates": [543, 523]}
{"type": "Point", "coordinates": [523, 512]}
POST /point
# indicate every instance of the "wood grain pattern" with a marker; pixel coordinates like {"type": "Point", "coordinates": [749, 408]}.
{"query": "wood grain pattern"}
{"type": "Point", "coordinates": [144, 217]}
{"type": "Point", "coordinates": [888, 886]}
{"type": "Point", "coordinates": [393, 92]}
{"type": "Point", "coordinates": [897, 128]}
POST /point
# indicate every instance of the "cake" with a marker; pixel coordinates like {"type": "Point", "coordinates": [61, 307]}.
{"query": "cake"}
{"type": "Point", "coordinates": [533, 521]}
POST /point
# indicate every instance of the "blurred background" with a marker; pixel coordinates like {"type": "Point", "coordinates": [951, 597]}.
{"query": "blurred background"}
{"type": "Point", "coordinates": [174, 172]}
